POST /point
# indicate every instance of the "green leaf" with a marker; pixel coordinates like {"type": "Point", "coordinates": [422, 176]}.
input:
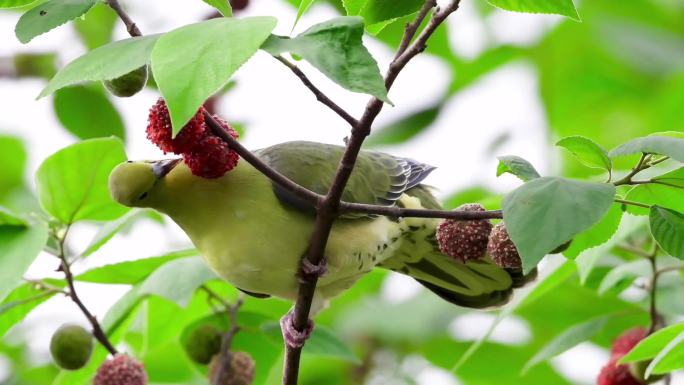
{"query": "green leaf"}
{"type": "Point", "coordinates": [404, 129]}
{"type": "Point", "coordinates": [558, 7]}
{"type": "Point", "coordinates": [377, 11]}
{"type": "Point", "coordinates": [15, 3]}
{"type": "Point", "coordinates": [303, 7]}
{"type": "Point", "coordinates": [517, 166]}
{"type": "Point", "coordinates": [13, 160]}
{"type": "Point", "coordinates": [104, 63]}
{"type": "Point", "coordinates": [650, 346]}
{"type": "Point", "coordinates": [49, 15]}
{"type": "Point", "coordinates": [588, 152]}
{"type": "Point", "coordinates": [335, 48]}
{"type": "Point", "coordinates": [669, 359]}
{"type": "Point", "coordinates": [627, 270]}
{"type": "Point", "coordinates": [667, 227]}
{"type": "Point", "coordinates": [222, 6]}
{"type": "Point", "coordinates": [96, 27]}
{"type": "Point", "coordinates": [178, 279]}
{"type": "Point", "coordinates": [107, 232]}
{"type": "Point", "coordinates": [21, 301]}
{"type": "Point", "coordinates": [72, 183]}
{"type": "Point", "coordinates": [19, 247]}
{"type": "Point", "coordinates": [88, 113]}
{"type": "Point", "coordinates": [568, 340]}
{"type": "Point", "coordinates": [193, 62]}
{"type": "Point", "coordinates": [597, 234]}
{"type": "Point", "coordinates": [662, 145]}
{"type": "Point", "coordinates": [8, 218]}
{"type": "Point", "coordinates": [323, 342]}
{"type": "Point", "coordinates": [131, 272]}
{"type": "Point", "coordinates": [547, 212]}
{"type": "Point", "coordinates": [666, 191]}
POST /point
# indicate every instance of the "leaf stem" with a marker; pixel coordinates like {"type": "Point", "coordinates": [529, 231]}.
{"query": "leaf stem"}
{"type": "Point", "coordinates": [632, 203]}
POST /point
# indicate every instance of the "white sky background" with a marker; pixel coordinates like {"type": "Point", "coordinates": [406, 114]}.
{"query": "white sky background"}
{"type": "Point", "coordinates": [276, 108]}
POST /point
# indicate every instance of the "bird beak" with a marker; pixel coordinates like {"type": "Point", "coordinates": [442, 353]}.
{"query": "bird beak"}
{"type": "Point", "coordinates": [163, 167]}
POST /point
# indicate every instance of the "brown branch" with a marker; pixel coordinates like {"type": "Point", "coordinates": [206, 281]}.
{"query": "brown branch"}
{"type": "Point", "coordinates": [226, 356]}
{"type": "Point", "coordinates": [131, 27]}
{"type": "Point", "coordinates": [328, 209]}
{"type": "Point", "coordinates": [320, 96]}
{"type": "Point", "coordinates": [98, 332]}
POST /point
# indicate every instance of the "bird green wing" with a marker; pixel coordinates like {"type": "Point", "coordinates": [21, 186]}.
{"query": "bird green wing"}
{"type": "Point", "coordinates": [378, 178]}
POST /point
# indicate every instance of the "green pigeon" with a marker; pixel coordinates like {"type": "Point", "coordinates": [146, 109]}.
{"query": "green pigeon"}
{"type": "Point", "coordinates": [253, 233]}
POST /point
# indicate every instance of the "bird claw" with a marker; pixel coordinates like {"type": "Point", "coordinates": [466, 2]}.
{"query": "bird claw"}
{"type": "Point", "coordinates": [294, 338]}
{"type": "Point", "coordinates": [308, 269]}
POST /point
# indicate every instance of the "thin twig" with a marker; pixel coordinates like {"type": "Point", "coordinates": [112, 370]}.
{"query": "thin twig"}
{"type": "Point", "coordinates": [226, 355]}
{"type": "Point", "coordinates": [98, 332]}
{"type": "Point", "coordinates": [411, 28]}
{"type": "Point", "coordinates": [641, 165]}
{"type": "Point", "coordinates": [131, 27]}
{"type": "Point", "coordinates": [632, 203]}
{"type": "Point", "coordinates": [320, 96]}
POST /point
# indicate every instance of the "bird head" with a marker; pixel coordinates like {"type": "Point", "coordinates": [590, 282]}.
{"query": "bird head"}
{"type": "Point", "coordinates": [130, 183]}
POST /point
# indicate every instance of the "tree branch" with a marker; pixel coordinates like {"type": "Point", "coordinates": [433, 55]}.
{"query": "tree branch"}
{"type": "Point", "coordinates": [320, 96]}
{"type": "Point", "coordinates": [131, 27]}
{"type": "Point", "coordinates": [226, 355]}
{"type": "Point", "coordinates": [98, 332]}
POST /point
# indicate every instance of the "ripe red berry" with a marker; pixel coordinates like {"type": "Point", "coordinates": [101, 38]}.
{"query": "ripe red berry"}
{"type": "Point", "coordinates": [121, 370]}
{"type": "Point", "coordinates": [614, 374]}
{"type": "Point", "coordinates": [628, 340]}
{"type": "Point", "coordinates": [502, 249]}
{"type": "Point", "coordinates": [211, 157]}
{"type": "Point", "coordinates": [159, 129]}
{"type": "Point", "coordinates": [464, 240]}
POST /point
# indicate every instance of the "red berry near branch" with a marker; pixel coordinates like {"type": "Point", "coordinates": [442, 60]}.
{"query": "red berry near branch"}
{"type": "Point", "coordinates": [464, 240]}
{"type": "Point", "coordinates": [211, 157]}
{"type": "Point", "coordinates": [159, 130]}
{"type": "Point", "coordinates": [239, 5]}
{"type": "Point", "coordinates": [121, 370]}
{"type": "Point", "coordinates": [628, 340]}
{"type": "Point", "coordinates": [501, 248]}
{"type": "Point", "coordinates": [614, 374]}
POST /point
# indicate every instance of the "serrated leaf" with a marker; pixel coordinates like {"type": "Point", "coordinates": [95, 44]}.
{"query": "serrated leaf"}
{"type": "Point", "coordinates": [193, 62]}
{"type": "Point", "coordinates": [222, 6]}
{"type": "Point", "coordinates": [335, 48]}
{"type": "Point", "coordinates": [104, 63]}
{"type": "Point", "coordinates": [72, 183]}
{"type": "Point", "coordinates": [666, 191]}
{"type": "Point", "coordinates": [662, 145]}
{"type": "Point", "coordinates": [587, 152]}
{"type": "Point", "coordinates": [517, 166]}
{"type": "Point", "coordinates": [131, 272]}
{"type": "Point", "coordinates": [15, 3]}
{"type": "Point", "coordinates": [88, 113]}
{"type": "Point", "coordinates": [568, 340]}
{"type": "Point", "coordinates": [547, 212]}
{"type": "Point", "coordinates": [46, 16]}
{"type": "Point", "coordinates": [626, 270]}
{"type": "Point", "coordinates": [558, 7]}
{"type": "Point", "coordinates": [19, 247]}
{"type": "Point", "coordinates": [667, 227]}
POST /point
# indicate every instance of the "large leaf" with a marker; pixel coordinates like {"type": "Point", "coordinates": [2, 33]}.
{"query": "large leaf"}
{"type": "Point", "coordinates": [667, 191]}
{"type": "Point", "coordinates": [131, 272]}
{"type": "Point", "coordinates": [667, 227]}
{"type": "Point", "coordinates": [567, 340]}
{"type": "Point", "coordinates": [335, 47]}
{"type": "Point", "coordinates": [547, 212]}
{"type": "Point", "coordinates": [72, 183]}
{"type": "Point", "coordinates": [662, 145]}
{"type": "Point", "coordinates": [15, 3]}
{"type": "Point", "coordinates": [517, 166]}
{"type": "Point", "coordinates": [558, 7]}
{"type": "Point", "coordinates": [193, 62]}
{"type": "Point", "coordinates": [49, 15]}
{"type": "Point", "coordinates": [597, 234]}
{"type": "Point", "coordinates": [178, 279]}
{"type": "Point", "coordinates": [222, 6]}
{"type": "Point", "coordinates": [104, 63]}
{"type": "Point", "coordinates": [88, 113]}
{"type": "Point", "coordinates": [587, 152]}
{"type": "Point", "coordinates": [21, 301]}
{"type": "Point", "coordinates": [650, 346]}
{"type": "Point", "coordinates": [19, 247]}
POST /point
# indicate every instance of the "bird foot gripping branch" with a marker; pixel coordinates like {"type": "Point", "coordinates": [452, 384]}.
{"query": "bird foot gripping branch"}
{"type": "Point", "coordinates": [294, 338]}
{"type": "Point", "coordinates": [308, 269]}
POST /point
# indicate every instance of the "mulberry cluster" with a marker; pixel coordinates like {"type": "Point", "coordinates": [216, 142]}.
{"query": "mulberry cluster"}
{"type": "Point", "coordinates": [205, 154]}
{"type": "Point", "coordinates": [626, 374]}
{"type": "Point", "coordinates": [464, 240]}
{"type": "Point", "coordinates": [502, 249]}
{"type": "Point", "coordinates": [121, 370]}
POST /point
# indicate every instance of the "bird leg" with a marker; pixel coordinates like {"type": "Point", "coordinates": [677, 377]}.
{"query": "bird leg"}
{"type": "Point", "coordinates": [308, 269]}
{"type": "Point", "coordinates": [293, 337]}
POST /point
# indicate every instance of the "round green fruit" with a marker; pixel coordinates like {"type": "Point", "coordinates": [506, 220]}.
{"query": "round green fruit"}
{"type": "Point", "coordinates": [71, 347]}
{"type": "Point", "coordinates": [203, 343]}
{"type": "Point", "coordinates": [128, 84]}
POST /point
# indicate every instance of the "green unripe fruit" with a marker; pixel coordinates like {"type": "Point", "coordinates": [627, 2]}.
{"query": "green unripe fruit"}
{"type": "Point", "coordinates": [638, 371]}
{"type": "Point", "coordinates": [71, 347]}
{"type": "Point", "coordinates": [203, 343]}
{"type": "Point", "coordinates": [128, 84]}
